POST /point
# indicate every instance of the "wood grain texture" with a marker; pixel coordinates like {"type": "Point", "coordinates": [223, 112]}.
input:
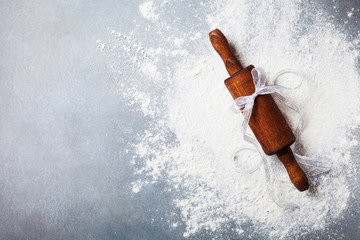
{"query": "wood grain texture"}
{"type": "Point", "coordinates": [221, 45]}
{"type": "Point", "coordinates": [296, 174]}
{"type": "Point", "coordinates": [267, 122]}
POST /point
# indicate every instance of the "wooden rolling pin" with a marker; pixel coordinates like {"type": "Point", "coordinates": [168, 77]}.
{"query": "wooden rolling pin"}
{"type": "Point", "coordinates": [267, 122]}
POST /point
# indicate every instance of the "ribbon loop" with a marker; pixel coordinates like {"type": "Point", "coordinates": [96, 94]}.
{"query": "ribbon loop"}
{"type": "Point", "coordinates": [245, 104]}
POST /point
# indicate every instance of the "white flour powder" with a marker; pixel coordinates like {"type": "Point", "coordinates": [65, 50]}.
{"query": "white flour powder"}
{"type": "Point", "coordinates": [196, 109]}
{"type": "Point", "coordinates": [148, 11]}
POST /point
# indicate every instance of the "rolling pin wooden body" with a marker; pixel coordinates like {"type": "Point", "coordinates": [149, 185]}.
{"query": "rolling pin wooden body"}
{"type": "Point", "coordinates": [267, 122]}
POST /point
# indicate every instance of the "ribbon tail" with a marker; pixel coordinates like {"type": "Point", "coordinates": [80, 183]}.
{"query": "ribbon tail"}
{"type": "Point", "coordinates": [292, 105]}
{"type": "Point", "coordinates": [311, 166]}
{"type": "Point", "coordinates": [269, 188]}
{"type": "Point", "coordinates": [286, 205]}
{"type": "Point", "coordinates": [247, 115]}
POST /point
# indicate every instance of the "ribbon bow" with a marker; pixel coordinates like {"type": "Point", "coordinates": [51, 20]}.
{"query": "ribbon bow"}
{"type": "Point", "coordinates": [245, 104]}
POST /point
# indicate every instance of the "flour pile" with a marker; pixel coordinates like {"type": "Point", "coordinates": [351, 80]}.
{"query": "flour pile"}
{"type": "Point", "coordinates": [192, 132]}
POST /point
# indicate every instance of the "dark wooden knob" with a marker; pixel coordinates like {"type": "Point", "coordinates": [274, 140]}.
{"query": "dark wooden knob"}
{"type": "Point", "coordinates": [296, 174]}
{"type": "Point", "coordinates": [221, 45]}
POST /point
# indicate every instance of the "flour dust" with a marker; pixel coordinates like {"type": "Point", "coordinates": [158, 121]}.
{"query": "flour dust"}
{"type": "Point", "coordinates": [192, 132]}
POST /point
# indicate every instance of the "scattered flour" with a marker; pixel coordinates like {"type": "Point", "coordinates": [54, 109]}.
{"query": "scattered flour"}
{"type": "Point", "coordinates": [148, 11]}
{"type": "Point", "coordinates": [193, 132]}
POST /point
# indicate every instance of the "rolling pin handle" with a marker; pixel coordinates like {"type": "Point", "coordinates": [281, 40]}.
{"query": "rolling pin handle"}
{"type": "Point", "coordinates": [221, 45]}
{"type": "Point", "coordinates": [296, 174]}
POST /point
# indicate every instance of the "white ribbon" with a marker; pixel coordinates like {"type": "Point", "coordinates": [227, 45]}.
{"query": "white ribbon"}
{"type": "Point", "coordinates": [245, 104]}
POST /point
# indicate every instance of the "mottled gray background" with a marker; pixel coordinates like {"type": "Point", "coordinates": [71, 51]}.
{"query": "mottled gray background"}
{"type": "Point", "coordinates": [64, 171]}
